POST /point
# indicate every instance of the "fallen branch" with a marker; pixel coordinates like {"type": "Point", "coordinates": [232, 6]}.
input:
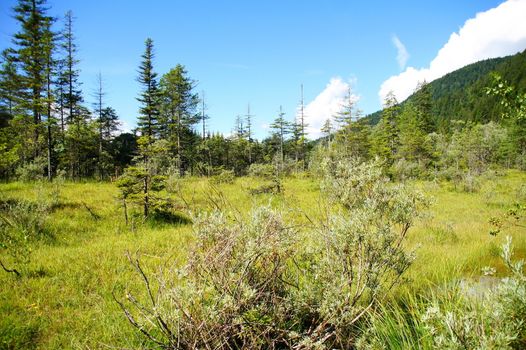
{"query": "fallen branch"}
{"type": "Point", "coordinates": [15, 271]}
{"type": "Point", "coordinates": [92, 213]}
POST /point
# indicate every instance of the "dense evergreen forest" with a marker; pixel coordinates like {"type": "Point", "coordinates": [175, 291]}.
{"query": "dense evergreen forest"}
{"type": "Point", "coordinates": [461, 95]}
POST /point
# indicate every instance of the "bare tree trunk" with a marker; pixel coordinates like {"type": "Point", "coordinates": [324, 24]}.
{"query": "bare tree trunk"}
{"type": "Point", "coordinates": [125, 206]}
{"type": "Point", "coordinates": [146, 199]}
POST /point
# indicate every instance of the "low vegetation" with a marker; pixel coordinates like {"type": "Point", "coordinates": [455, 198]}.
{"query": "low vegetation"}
{"type": "Point", "coordinates": [64, 296]}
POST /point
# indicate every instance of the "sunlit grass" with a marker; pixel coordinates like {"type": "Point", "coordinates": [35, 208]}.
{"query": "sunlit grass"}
{"type": "Point", "coordinates": [64, 297]}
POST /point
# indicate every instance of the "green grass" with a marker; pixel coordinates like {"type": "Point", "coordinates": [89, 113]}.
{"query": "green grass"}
{"type": "Point", "coordinates": [64, 297]}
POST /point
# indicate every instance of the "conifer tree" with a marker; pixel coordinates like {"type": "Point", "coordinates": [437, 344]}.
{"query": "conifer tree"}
{"type": "Point", "coordinates": [282, 128]}
{"type": "Point", "coordinates": [31, 55]}
{"type": "Point", "coordinates": [385, 136]}
{"type": "Point", "coordinates": [327, 130]}
{"type": "Point", "coordinates": [412, 135]}
{"type": "Point", "coordinates": [50, 71]}
{"type": "Point", "coordinates": [302, 125]}
{"type": "Point", "coordinates": [347, 112]}
{"type": "Point", "coordinates": [9, 82]}
{"type": "Point", "coordinates": [149, 97]}
{"type": "Point", "coordinates": [70, 74]}
{"type": "Point", "coordinates": [204, 116]}
{"type": "Point", "coordinates": [179, 113]}
{"type": "Point", "coordinates": [423, 103]}
{"type": "Point", "coordinates": [249, 117]}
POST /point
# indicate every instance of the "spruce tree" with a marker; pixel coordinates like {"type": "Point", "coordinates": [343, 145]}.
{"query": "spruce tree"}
{"type": "Point", "coordinates": [147, 121]}
{"type": "Point", "coordinates": [423, 103]}
{"type": "Point", "coordinates": [50, 71]}
{"type": "Point", "coordinates": [149, 97]}
{"type": "Point", "coordinates": [281, 128]}
{"type": "Point", "coordinates": [248, 118]}
{"type": "Point", "coordinates": [385, 136]}
{"type": "Point", "coordinates": [9, 83]}
{"type": "Point", "coordinates": [70, 75]}
{"type": "Point", "coordinates": [204, 116]}
{"type": "Point", "coordinates": [327, 130]}
{"type": "Point", "coordinates": [31, 54]}
{"type": "Point", "coordinates": [179, 113]}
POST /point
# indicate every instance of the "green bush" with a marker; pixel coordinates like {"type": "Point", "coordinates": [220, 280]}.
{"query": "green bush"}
{"type": "Point", "coordinates": [254, 283]}
{"type": "Point", "coordinates": [21, 223]}
{"type": "Point", "coordinates": [224, 177]}
{"type": "Point", "coordinates": [32, 171]}
{"type": "Point", "coordinates": [265, 171]}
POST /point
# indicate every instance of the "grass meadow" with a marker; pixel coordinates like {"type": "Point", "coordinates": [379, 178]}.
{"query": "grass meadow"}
{"type": "Point", "coordinates": [64, 296]}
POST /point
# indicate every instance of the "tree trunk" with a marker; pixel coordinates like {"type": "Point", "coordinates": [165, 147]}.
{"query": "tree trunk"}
{"type": "Point", "coordinates": [125, 210]}
{"type": "Point", "coordinates": [146, 203]}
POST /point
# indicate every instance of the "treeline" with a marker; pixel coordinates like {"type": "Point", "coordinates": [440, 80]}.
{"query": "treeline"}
{"type": "Point", "coordinates": [412, 143]}
{"type": "Point", "coordinates": [170, 112]}
{"type": "Point", "coordinates": [46, 127]}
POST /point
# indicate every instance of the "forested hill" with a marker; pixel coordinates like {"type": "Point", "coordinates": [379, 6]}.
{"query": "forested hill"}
{"type": "Point", "coordinates": [461, 94]}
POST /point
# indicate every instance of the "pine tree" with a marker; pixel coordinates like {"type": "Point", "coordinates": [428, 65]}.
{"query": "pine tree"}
{"type": "Point", "coordinates": [179, 112]}
{"type": "Point", "coordinates": [282, 128]}
{"type": "Point", "coordinates": [149, 97]}
{"type": "Point", "coordinates": [385, 136]}
{"type": "Point", "coordinates": [423, 102]}
{"type": "Point", "coordinates": [31, 54]}
{"type": "Point", "coordinates": [327, 130]}
{"type": "Point", "coordinates": [70, 75]}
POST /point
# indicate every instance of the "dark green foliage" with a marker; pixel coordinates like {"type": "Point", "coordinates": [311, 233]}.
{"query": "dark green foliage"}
{"type": "Point", "coordinates": [385, 136]}
{"type": "Point", "coordinates": [461, 95]}
{"type": "Point", "coordinates": [123, 148]}
{"type": "Point", "coordinates": [178, 115]}
{"type": "Point", "coordinates": [149, 97]}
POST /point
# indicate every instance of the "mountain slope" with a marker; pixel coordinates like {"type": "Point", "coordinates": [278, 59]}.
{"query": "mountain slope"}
{"type": "Point", "coordinates": [461, 94]}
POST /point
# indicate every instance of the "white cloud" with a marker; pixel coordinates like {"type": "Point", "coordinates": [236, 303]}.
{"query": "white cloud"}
{"type": "Point", "coordinates": [497, 32]}
{"type": "Point", "coordinates": [326, 105]}
{"type": "Point", "coordinates": [402, 55]}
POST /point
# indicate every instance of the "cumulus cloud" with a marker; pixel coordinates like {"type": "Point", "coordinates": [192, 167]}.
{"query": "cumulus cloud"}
{"type": "Point", "coordinates": [326, 105]}
{"type": "Point", "coordinates": [497, 32]}
{"type": "Point", "coordinates": [402, 54]}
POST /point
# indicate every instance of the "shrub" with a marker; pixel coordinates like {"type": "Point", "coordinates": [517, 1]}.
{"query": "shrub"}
{"type": "Point", "coordinates": [403, 169]}
{"type": "Point", "coordinates": [224, 177]}
{"type": "Point", "coordinates": [21, 223]}
{"type": "Point", "coordinates": [468, 182]}
{"type": "Point", "coordinates": [253, 283]}
{"type": "Point", "coordinates": [265, 171]}
{"type": "Point", "coordinates": [32, 171]}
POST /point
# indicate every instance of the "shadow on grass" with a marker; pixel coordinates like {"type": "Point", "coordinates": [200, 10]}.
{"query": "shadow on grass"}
{"type": "Point", "coordinates": [168, 217]}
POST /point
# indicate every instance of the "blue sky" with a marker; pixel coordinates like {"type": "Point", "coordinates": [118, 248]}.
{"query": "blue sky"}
{"type": "Point", "coordinates": [257, 52]}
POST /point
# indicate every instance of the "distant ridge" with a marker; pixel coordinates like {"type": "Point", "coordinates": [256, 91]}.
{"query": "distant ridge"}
{"type": "Point", "coordinates": [461, 94]}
